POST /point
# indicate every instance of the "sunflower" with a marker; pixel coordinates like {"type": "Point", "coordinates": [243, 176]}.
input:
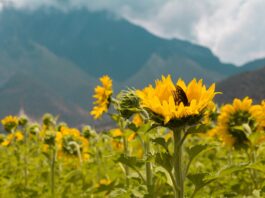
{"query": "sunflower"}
{"type": "Point", "coordinates": [10, 123]}
{"type": "Point", "coordinates": [176, 104]}
{"type": "Point", "coordinates": [258, 112]}
{"type": "Point", "coordinates": [13, 137]}
{"type": "Point", "coordinates": [237, 121]}
{"type": "Point", "coordinates": [102, 96]}
{"type": "Point", "coordinates": [70, 142]}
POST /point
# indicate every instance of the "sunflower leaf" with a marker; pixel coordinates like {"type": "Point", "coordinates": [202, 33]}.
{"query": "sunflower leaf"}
{"type": "Point", "coordinates": [165, 160]}
{"type": "Point", "coordinates": [160, 141]}
{"type": "Point", "coordinates": [196, 150]}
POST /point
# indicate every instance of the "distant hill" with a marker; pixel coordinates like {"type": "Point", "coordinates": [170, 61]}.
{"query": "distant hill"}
{"type": "Point", "coordinates": [252, 65]}
{"type": "Point", "coordinates": [23, 93]}
{"type": "Point", "coordinates": [50, 60]}
{"type": "Point", "coordinates": [250, 84]}
{"type": "Point", "coordinates": [98, 42]}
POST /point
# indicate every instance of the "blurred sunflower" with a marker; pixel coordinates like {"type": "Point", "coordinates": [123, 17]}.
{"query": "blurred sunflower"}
{"type": "Point", "coordinates": [70, 142]}
{"type": "Point", "coordinates": [237, 121]}
{"type": "Point", "coordinates": [176, 104]}
{"type": "Point", "coordinates": [118, 135]}
{"type": "Point", "coordinates": [13, 137]}
{"type": "Point", "coordinates": [102, 96]}
{"type": "Point", "coordinates": [10, 123]}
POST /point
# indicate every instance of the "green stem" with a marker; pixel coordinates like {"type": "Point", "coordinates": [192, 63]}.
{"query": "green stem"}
{"type": "Point", "coordinates": [126, 152]}
{"type": "Point", "coordinates": [53, 172]}
{"type": "Point", "coordinates": [25, 159]}
{"type": "Point", "coordinates": [149, 175]}
{"type": "Point", "coordinates": [178, 166]}
{"type": "Point", "coordinates": [253, 174]}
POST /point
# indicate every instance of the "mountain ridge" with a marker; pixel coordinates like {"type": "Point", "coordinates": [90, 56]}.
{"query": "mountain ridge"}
{"type": "Point", "coordinates": [63, 54]}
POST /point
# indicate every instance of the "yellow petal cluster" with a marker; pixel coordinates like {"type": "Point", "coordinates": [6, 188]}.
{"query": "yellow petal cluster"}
{"type": "Point", "coordinates": [66, 136]}
{"type": "Point", "coordinates": [10, 122]}
{"type": "Point", "coordinates": [137, 120]}
{"type": "Point", "coordinates": [165, 100]}
{"type": "Point", "coordinates": [258, 112]}
{"type": "Point", "coordinates": [13, 137]}
{"type": "Point", "coordinates": [229, 110]}
{"type": "Point", "coordinates": [102, 96]}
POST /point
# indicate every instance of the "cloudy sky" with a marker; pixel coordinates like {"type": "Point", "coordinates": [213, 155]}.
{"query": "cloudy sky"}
{"type": "Point", "coordinates": [233, 29]}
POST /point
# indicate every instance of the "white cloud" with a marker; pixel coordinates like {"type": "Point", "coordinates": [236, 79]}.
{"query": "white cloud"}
{"type": "Point", "coordinates": [234, 30]}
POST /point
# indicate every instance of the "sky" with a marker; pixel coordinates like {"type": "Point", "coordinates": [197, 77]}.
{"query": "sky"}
{"type": "Point", "coordinates": [233, 29]}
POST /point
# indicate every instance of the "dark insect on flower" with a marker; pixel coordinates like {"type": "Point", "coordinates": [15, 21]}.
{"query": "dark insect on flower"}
{"type": "Point", "coordinates": [180, 96]}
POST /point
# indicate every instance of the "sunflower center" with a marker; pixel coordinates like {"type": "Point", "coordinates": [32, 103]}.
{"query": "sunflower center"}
{"type": "Point", "coordinates": [241, 117]}
{"type": "Point", "coordinates": [180, 96]}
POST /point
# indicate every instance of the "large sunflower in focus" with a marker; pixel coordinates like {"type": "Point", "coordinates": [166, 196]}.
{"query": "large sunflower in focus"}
{"type": "Point", "coordinates": [102, 96]}
{"type": "Point", "coordinates": [238, 121]}
{"type": "Point", "coordinates": [176, 104]}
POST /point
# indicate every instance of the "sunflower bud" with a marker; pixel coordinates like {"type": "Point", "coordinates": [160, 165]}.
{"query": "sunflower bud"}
{"type": "Point", "coordinates": [128, 103]}
{"type": "Point", "coordinates": [50, 138]}
{"type": "Point", "coordinates": [34, 129]}
{"type": "Point", "coordinates": [88, 132]}
{"type": "Point", "coordinates": [48, 120]}
{"type": "Point", "coordinates": [23, 120]}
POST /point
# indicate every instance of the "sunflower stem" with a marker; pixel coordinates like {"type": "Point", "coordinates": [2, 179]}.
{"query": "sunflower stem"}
{"type": "Point", "coordinates": [178, 166]}
{"type": "Point", "coordinates": [53, 172]}
{"type": "Point", "coordinates": [126, 151]}
{"type": "Point", "coordinates": [253, 174]}
{"type": "Point", "coordinates": [149, 175]}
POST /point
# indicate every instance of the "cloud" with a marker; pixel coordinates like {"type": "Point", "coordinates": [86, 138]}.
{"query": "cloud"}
{"type": "Point", "coordinates": [234, 30]}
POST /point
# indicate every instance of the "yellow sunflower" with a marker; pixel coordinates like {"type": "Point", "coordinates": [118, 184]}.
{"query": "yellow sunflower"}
{"type": "Point", "coordinates": [10, 122]}
{"type": "Point", "coordinates": [102, 96]}
{"type": "Point", "coordinates": [176, 102]}
{"type": "Point", "coordinates": [13, 137]}
{"type": "Point", "coordinates": [237, 120]}
{"type": "Point", "coordinates": [69, 142]}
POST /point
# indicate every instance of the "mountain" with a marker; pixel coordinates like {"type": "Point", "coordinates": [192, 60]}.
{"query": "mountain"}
{"type": "Point", "coordinates": [252, 65]}
{"type": "Point", "coordinates": [250, 84]}
{"type": "Point", "coordinates": [55, 57]}
{"type": "Point", "coordinates": [100, 43]}
{"type": "Point", "coordinates": [23, 93]}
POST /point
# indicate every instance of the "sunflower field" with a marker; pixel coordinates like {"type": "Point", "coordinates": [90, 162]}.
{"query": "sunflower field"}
{"type": "Point", "coordinates": [170, 140]}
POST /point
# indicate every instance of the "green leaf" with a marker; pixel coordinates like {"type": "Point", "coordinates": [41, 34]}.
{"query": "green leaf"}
{"type": "Point", "coordinates": [133, 127]}
{"type": "Point", "coordinates": [196, 150]}
{"type": "Point", "coordinates": [115, 117]}
{"type": "Point", "coordinates": [198, 179]}
{"type": "Point", "coordinates": [202, 128]}
{"type": "Point", "coordinates": [106, 187]}
{"type": "Point", "coordinates": [165, 160]}
{"type": "Point", "coordinates": [160, 141]}
{"type": "Point", "coordinates": [231, 169]}
{"type": "Point", "coordinates": [227, 171]}
{"type": "Point", "coordinates": [257, 166]}
{"type": "Point", "coordinates": [146, 127]}
{"type": "Point", "coordinates": [74, 176]}
{"type": "Point", "coordinates": [130, 161]}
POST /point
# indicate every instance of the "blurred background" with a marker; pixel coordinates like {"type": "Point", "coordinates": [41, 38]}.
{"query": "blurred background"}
{"type": "Point", "coordinates": [53, 51]}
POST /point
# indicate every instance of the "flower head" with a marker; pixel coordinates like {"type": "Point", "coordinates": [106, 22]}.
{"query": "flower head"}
{"type": "Point", "coordinates": [10, 123]}
{"type": "Point", "coordinates": [176, 103]}
{"type": "Point", "coordinates": [70, 142]}
{"type": "Point", "coordinates": [237, 121]}
{"type": "Point", "coordinates": [102, 96]}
